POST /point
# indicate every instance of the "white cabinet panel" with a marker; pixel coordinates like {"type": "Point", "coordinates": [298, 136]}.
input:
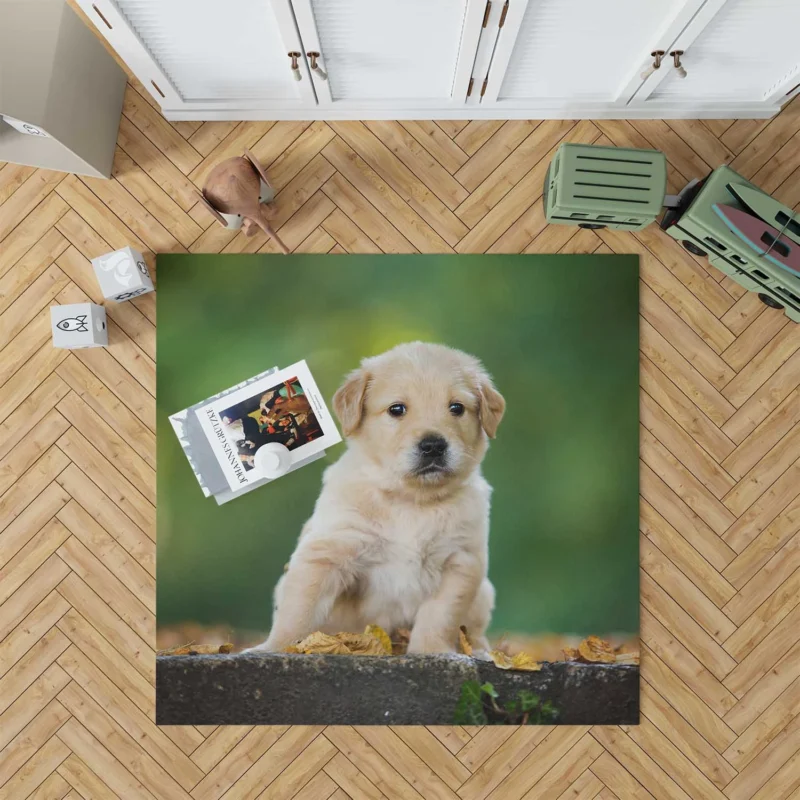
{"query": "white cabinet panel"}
{"type": "Point", "coordinates": [207, 53]}
{"type": "Point", "coordinates": [577, 51]}
{"type": "Point", "coordinates": [212, 51]}
{"type": "Point", "coordinates": [391, 51]}
{"type": "Point", "coordinates": [430, 59]}
{"type": "Point", "coordinates": [747, 51]}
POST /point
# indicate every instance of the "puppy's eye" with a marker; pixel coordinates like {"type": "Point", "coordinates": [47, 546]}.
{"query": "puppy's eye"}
{"type": "Point", "coordinates": [397, 410]}
{"type": "Point", "coordinates": [457, 409]}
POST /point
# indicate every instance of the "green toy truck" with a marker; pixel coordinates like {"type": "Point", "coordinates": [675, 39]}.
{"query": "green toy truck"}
{"type": "Point", "coordinates": [609, 187]}
{"type": "Point", "coordinates": [605, 187]}
{"type": "Point", "coordinates": [702, 232]}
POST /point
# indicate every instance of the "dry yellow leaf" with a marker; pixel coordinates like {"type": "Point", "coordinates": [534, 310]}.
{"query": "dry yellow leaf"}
{"type": "Point", "coordinates": [520, 661]}
{"type": "Point", "coordinates": [179, 650]}
{"type": "Point", "coordinates": [525, 662]}
{"type": "Point", "coordinates": [595, 649]}
{"type": "Point", "coordinates": [500, 659]}
{"type": "Point", "coordinates": [226, 648]}
{"type": "Point", "coordinates": [627, 658]}
{"type": "Point", "coordinates": [380, 634]}
{"type": "Point", "coordinates": [319, 642]}
{"type": "Point", "coordinates": [373, 642]}
{"type": "Point", "coordinates": [466, 647]}
{"type": "Point", "coordinates": [361, 644]}
{"type": "Point", "coordinates": [571, 654]}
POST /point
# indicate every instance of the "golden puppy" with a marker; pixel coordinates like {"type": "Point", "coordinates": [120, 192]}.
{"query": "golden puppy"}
{"type": "Point", "coordinates": [399, 534]}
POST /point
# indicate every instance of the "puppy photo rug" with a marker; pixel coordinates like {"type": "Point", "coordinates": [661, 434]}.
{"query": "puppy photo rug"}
{"type": "Point", "coordinates": [427, 490]}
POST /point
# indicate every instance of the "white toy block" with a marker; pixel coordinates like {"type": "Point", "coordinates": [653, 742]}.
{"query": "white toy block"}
{"type": "Point", "coordinates": [79, 325]}
{"type": "Point", "coordinates": [122, 274]}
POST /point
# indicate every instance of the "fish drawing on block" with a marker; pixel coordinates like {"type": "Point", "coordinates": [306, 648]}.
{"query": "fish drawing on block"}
{"type": "Point", "coordinates": [77, 324]}
{"type": "Point", "coordinates": [764, 239]}
{"type": "Point", "coordinates": [769, 209]}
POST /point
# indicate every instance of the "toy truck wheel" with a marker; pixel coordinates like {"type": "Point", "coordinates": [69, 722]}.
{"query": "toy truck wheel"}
{"type": "Point", "coordinates": [693, 248]}
{"type": "Point", "coordinates": [592, 226]}
{"type": "Point", "coordinates": [769, 301]}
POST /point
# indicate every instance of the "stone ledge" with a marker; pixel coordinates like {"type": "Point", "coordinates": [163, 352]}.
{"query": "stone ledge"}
{"type": "Point", "coordinates": [287, 689]}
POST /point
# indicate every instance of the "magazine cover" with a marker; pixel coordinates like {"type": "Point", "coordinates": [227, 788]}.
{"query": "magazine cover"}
{"type": "Point", "coordinates": [285, 407]}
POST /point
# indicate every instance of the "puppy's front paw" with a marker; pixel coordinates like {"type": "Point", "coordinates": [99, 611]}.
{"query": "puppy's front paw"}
{"type": "Point", "coordinates": [273, 644]}
{"type": "Point", "coordinates": [431, 642]}
{"type": "Point", "coordinates": [481, 655]}
{"type": "Point", "coordinates": [259, 648]}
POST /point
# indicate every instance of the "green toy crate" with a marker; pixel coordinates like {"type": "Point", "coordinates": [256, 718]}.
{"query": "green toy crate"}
{"type": "Point", "coordinates": [702, 232]}
{"type": "Point", "coordinates": [605, 187]}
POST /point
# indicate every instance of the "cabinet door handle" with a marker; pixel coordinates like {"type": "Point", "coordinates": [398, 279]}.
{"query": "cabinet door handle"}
{"type": "Point", "coordinates": [295, 65]}
{"type": "Point", "coordinates": [657, 56]}
{"type": "Point", "coordinates": [315, 67]}
{"type": "Point", "coordinates": [676, 57]}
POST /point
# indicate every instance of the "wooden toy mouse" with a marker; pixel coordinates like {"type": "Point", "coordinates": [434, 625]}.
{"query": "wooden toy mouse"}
{"type": "Point", "coordinates": [236, 193]}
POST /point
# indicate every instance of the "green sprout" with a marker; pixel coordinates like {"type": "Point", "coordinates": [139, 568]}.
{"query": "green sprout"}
{"type": "Point", "coordinates": [477, 705]}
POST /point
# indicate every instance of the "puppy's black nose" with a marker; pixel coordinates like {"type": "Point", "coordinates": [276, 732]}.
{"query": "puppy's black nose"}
{"type": "Point", "coordinates": [433, 446]}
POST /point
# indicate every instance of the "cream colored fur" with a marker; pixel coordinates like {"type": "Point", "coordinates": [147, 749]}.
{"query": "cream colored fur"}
{"type": "Point", "coordinates": [386, 545]}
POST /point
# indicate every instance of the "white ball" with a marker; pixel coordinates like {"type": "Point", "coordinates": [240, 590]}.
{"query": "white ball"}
{"type": "Point", "coordinates": [272, 460]}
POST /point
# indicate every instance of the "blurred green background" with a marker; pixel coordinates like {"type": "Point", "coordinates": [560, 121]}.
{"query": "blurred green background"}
{"type": "Point", "coordinates": [558, 333]}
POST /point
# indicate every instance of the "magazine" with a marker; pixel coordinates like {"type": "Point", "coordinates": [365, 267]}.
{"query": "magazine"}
{"type": "Point", "coordinates": [283, 407]}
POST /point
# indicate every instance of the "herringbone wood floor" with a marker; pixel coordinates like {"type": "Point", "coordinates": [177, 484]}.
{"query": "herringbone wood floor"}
{"type": "Point", "coordinates": [720, 470]}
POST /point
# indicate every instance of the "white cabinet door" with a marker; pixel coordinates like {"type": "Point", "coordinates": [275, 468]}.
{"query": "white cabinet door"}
{"type": "Point", "coordinates": [390, 53]}
{"type": "Point", "coordinates": [207, 54]}
{"type": "Point", "coordinates": [557, 54]}
{"type": "Point", "coordinates": [733, 51]}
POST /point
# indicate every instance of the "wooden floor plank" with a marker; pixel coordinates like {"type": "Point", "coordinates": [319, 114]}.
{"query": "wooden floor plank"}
{"type": "Point", "coordinates": [302, 150]}
{"type": "Point", "coordinates": [351, 780]}
{"type": "Point", "coordinates": [364, 217]}
{"type": "Point", "coordinates": [220, 777]}
{"type": "Point", "coordinates": [84, 782]}
{"type": "Point", "coordinates": [130, 572]}
{"type": "Point", "coordinates": [688, 704]}
{"type": "Point", "coordinates": [30, 267]}
{"type": "Point", "coordinates": [419, 161]}
{"type": "Point", "coordinates": [677, 296]}
{"type": "Point", "coordinates": [488, 158]}
{"type": "Point", "coordinates": [139, 111]}
{"type": "Point", "coordinates": [26, 198]}
{"type": "Point", "coordinates": [437, 143]}
{"type": "Point", "coordinates": [476, 133]}
{"type": "Point", "coordinates": [152, 197]}
{"type": "Point", "coordinates": [209, 135]}
{"type": "Point", "coordinates": [99, 760]}
{"type": "Point", "coordinates": [680, 733]}
{"type": "Point", "coordinates": [393, 188]}
{"type": "Point", "coordinates": [682, 555]}
{"type": "Point", "coordinates": [760, 597]}
{"type": "Point", "coordinates": [136, 738]}
{"type": "Point", "coordinates": [12, 176]}
{"type": "Point", "coordinates": [499, 182]}
{"type": "Point", "coordinates": [155, 164]}
{"type": "Point", "coordinates": [502, 762]}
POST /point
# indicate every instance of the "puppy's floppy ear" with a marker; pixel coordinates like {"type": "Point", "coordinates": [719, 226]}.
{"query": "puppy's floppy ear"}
{"type": "Point", "coordinates": [491, 404]}
{"type": "Point", "coordinates": [348, 402]}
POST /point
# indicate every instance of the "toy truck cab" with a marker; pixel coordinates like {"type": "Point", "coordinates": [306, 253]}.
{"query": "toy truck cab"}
{"type": "Point", "coordinates": [702, 232]}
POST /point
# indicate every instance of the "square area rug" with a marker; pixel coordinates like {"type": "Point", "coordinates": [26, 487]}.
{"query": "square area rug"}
{"type": "Point", "coordinates": [472, 556]}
